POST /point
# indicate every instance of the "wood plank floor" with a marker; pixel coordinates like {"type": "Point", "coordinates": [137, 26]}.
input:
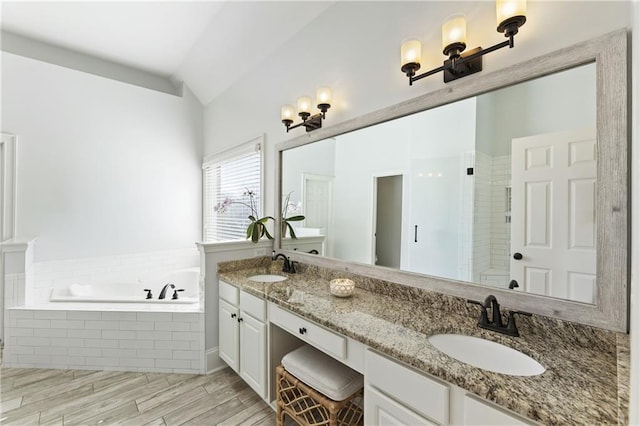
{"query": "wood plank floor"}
{"type": "Point", "coordinates": [75, 397]}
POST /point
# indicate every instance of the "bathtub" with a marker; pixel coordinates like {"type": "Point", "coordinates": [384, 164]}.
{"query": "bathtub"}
{"type": "Point", "coordinates": [134, 292]}
{"type": "Point", "coordinates": [95, 316]}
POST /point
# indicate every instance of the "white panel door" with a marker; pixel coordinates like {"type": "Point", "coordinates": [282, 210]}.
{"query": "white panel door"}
{"type": "Point", "coordinates": [553, 223]}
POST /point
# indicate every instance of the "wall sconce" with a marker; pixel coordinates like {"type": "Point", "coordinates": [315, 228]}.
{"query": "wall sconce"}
{"type": "Point", "coordinates": [323, 102]}
{"type": "Point", "coordinates": [510, 15]}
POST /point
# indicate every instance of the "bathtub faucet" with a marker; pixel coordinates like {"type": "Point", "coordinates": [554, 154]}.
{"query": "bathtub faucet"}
{"type": "Point", "coordinates": [163, 293]}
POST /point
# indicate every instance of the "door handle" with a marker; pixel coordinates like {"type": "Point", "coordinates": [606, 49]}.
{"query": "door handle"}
{"type": "Point", "coordinates": [517, 256]}
{"type": "Point", "coordinates": [415, 234]}
{"type": "Point", "coordinates": [513, 284]}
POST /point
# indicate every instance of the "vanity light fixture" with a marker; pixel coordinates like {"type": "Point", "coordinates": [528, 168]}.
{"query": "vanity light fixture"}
{"type": "Point", "coordinates": [510, 16]}
{"type": "Point", "coordinates": [310, 122]}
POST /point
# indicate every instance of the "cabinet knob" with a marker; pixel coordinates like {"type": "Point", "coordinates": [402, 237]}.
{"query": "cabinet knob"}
{"type": "Point", "coordinates": [302, 330]}
{"type": "Point", "coordinates": [233, 315]}
{"type": "Point", "coordinates": [517, 256]}
{"type": "Point", "coordinates": [240, 319]}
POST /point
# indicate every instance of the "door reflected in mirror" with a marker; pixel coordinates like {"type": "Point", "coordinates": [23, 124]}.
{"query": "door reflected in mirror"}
{"type": "Point", "coordinates": [498, 190]}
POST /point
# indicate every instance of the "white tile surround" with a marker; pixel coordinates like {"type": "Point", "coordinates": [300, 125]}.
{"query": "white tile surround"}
{"type": "Point", "coordinates": [492, 238]}
{"type": "Point", "coordinates": [105, 340]}
{"type": "Point", "coordinates": [101, 336]}
{"type": "Point", "coordinates": [500, 227]}
{"type": "Point", "coordinates": [107, 269]}
{"type": "Point", "coordinates": [482, 215]}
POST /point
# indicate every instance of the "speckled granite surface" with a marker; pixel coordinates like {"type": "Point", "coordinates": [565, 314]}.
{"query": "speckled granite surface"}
{"type": "Point", "coordinates": [586, 379]}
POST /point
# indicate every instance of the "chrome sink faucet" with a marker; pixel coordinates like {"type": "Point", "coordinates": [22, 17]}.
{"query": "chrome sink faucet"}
{"type": "Point", "coordinates": [287, 265]}
{"type": "Point", "coordinates": [163, 293]}
{"type": "Point", "coordinates": [496, 323]}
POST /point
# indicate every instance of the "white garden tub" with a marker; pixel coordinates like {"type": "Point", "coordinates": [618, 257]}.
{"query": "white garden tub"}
{"type": "Point", "coordinates": [134, 292]}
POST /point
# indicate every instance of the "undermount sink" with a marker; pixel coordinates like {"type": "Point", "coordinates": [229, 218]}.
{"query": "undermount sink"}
{"type": "Point", "coordinates": [267, 278]}
{"type": "Point", "coordinates": [486, 354]}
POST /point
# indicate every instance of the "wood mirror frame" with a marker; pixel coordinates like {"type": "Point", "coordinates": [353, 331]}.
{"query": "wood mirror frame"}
{"type": "Point", "coordinates": [610, 310]}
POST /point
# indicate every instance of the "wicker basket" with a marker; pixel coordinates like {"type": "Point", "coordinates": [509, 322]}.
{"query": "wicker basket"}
{"type": "Point", "coordinates": [307, 406]}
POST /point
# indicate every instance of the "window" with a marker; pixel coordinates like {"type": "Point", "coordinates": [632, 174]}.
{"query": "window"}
{"type": "Point", "coordinates": [228, 179]}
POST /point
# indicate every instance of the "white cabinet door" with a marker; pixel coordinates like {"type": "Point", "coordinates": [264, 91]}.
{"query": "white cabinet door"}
{"type": "Point", "coordinates": [380, 410]}
{"type": "Point", "coordinates": [480, 413]}
{"type": "Point", "coordinates": [421, 394]}
{"type": "Point", "coordinates": [228, 345]}
{"type": "Point", "coordinates": [253, 353]}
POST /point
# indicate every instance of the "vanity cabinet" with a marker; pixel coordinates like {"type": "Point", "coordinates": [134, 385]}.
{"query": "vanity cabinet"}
{"type": "Point", "coordinates": [342, 348]}
{"type": "Point", "coordinates": [243, 335]}
{"type": "Point", "coordinates": [398, 394]}
{"type": "Point", "coordinates": [305, 244]}
{"type": "Point", "coordinates": [395, 394]}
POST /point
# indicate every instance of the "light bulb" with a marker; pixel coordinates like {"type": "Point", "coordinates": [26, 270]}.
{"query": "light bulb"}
{"type": "Point", "coordinates": [286, 113]}
{"type": "Point", "coordinates": [304, 105]}
{"type": "Point", "coordinates": [323, 96]}
{"type": "Point", "coordinates": [506, 9]}
{"type": "Point", "coordinates": [454, 31]}
{"type": "Point", "coordinates": [411, 52]}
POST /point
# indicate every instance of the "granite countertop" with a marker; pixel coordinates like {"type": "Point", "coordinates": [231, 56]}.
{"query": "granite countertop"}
{"type": "Point", "coordinates": [580, 385]}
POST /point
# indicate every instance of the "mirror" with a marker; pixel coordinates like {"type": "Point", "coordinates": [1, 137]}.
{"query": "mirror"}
{"type": "Point", "coordinates": [500, 189]}
{"type": "Point", "coordinates": [432, 192]}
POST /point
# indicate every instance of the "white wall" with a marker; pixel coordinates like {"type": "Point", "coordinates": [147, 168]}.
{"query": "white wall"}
{"type": "Point", "coordinates": [104, 167]}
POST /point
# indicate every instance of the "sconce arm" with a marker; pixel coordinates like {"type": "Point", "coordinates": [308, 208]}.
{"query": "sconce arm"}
{"type": "Point", "coordinates": [454, 65]}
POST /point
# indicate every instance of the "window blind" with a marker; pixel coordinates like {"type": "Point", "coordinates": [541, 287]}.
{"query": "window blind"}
{"type": "Point", "coordinates": [229, 179]}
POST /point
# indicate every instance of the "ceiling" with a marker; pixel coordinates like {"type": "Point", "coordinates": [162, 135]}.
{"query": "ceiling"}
{"type": "Point", "coordinates": [207, 44]}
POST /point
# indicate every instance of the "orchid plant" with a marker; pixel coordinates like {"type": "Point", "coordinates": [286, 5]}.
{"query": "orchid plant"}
{"type": "Point", "coordinates": [289, 208]}
{"type": "Point", "coordinates": [257, 227]}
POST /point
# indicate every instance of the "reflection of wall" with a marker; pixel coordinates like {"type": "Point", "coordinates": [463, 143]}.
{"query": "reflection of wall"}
{"type": "Point", "coordinates": [389, 149]}
{"type": "Point", "coordinates": [554, 103]}
{"type": "Point", "coordinates": [375, 151]}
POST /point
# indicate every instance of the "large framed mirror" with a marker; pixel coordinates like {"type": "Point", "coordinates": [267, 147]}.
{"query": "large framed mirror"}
{"type": "Point", "coordinates": [512, 183]}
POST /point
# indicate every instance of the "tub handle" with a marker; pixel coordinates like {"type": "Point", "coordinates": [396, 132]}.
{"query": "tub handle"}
{"type": "Point", "coordinates": [149, 295]}
{"type": "Point", "coordinates": [175, 293]}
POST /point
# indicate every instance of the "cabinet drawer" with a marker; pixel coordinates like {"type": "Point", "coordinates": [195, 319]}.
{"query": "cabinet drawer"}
{"type": "Point", "coordinates": [323, 339]}
{"type": "Point", "coordinates": [424, 395]}
{"type": "Point", "coordinates": [229, 293]}
{"type": "Point", "coordinates": [254, 306]}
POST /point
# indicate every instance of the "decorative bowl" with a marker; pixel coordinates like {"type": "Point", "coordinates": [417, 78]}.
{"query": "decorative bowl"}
{"type": "Point", "coordinates": [342, 287]}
